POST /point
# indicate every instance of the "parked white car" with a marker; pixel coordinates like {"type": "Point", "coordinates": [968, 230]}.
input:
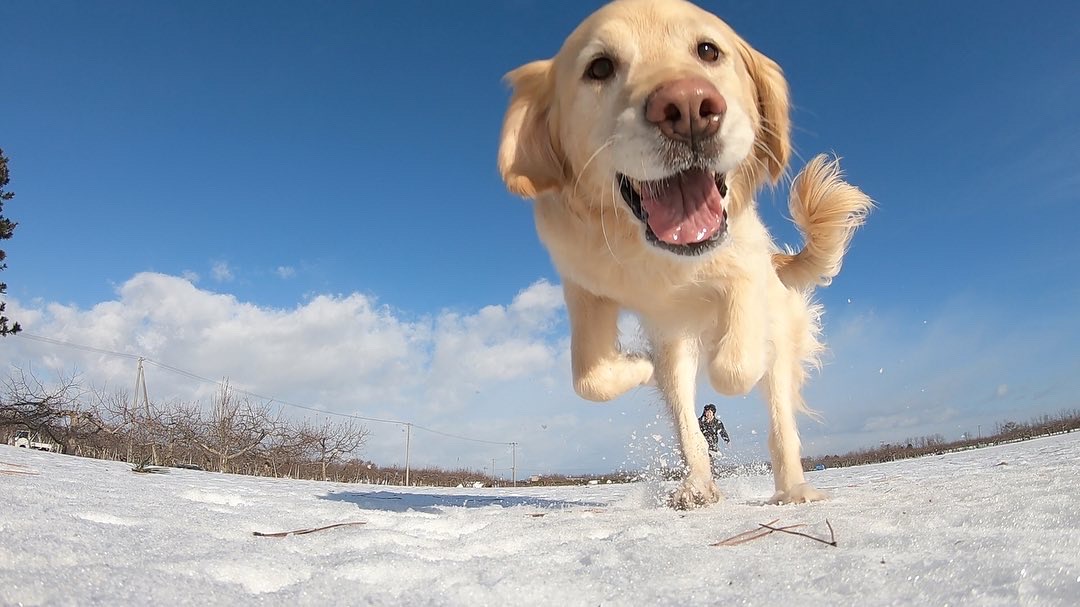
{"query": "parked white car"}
{"type": "Point", "coordinates": [32, 440]}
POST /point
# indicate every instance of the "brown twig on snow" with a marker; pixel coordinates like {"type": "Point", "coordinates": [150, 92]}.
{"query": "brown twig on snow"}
{"type": "Point", "coordinates": [832, 535]}
{"type": "Point", "coordinates": [16, 470]}
{"type": "Point", "coordinates": [749, 536]}
{"type": "Point", "coordinates": [305, 531]}
{"type": "Point", "coordinates": [767, 529]}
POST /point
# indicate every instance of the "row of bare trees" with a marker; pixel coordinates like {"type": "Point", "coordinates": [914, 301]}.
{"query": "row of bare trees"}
{"type": "Point", "coordinates": [231, 434]}
{"type": "Point", "coordinates": [1043, 425]}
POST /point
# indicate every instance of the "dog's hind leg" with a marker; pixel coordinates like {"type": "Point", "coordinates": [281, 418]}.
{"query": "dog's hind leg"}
{"type": "Point", "coordinates": [601, 370]}
{"type": "Point", "coordinates": [676, 375]}
{"type": "Point", "coordinates": [781, 388]}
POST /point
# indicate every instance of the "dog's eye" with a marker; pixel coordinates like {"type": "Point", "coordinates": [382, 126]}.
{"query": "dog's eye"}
{"type": "Point", "coordinates": [600, 69]}
{"type": "Point", "coordinates": [708, 52]}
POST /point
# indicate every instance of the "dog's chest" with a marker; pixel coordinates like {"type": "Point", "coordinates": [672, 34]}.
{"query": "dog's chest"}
{"type": "Point", "coordinates": [611, 258]}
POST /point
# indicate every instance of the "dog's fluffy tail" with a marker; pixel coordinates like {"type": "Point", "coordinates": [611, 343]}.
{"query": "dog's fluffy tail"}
{"type": "Point", "coordinates": [827, 211]}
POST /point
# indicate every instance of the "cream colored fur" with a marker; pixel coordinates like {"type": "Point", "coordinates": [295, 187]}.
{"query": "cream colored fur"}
{"type": "Point", "coordinates": [741, 312]}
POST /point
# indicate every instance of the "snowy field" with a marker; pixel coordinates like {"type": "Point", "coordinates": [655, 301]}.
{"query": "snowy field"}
{"type": "Point", "coordinates": [996, 526]}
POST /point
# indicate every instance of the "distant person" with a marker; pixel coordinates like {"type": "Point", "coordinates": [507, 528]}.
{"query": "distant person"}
{"type": "Point", "coordinates": [712, 427]}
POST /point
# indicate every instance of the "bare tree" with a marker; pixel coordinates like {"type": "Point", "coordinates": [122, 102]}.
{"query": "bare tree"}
{"type": "Point", "coordinates": [181, 424]}
{"type": "Point", "coordinates": [144, 429]}
{"type": "Point", "coordinates": [26, 401]}
{"type": "Point", "coordinates": [284, 449]}
{"type": "Point", "coordinates": [1008, 427]}
{"type": "Point", "coordinates": [330, 441]}
{"type": "Point", "coordinates": [232, 429]}
{"type": "Point", "coordinates": [120, 419]}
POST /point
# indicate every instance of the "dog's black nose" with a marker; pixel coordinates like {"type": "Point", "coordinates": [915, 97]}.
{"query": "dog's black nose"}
{"type": "Point", "coordinates": [686, 110]}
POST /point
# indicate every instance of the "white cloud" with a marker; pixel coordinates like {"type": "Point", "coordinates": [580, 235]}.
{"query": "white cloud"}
{"type": "Point", "coordinates": [502, 372]}
{"type": "Point", "coordinates": [286, 272]}
{"type": "Point", "coordinates": [221, 272]}
{"type": "Point", "coordinates": [346, 354]}
{"type": "Point", "coordinates": [498, 343]}
{"type": "Point", "coordinates": [190, 276]}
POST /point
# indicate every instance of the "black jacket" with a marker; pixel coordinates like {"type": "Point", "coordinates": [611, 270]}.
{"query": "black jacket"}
{"type": "Point", "coordinates": [713, 431]}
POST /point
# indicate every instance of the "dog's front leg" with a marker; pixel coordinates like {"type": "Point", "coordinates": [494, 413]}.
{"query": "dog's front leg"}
{"type": "Point", "coordinates": [601, 371]}
{"type": "Point", "coordinates": [739, 358]}
{"type": "Point", "coordinates": [781, 390]}
{"type": "Point", "coordinates": [676, 375]}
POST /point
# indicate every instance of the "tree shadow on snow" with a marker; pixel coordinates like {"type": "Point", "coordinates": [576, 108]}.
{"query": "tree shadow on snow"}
{"type": "Point", "coordinates": [389, 501]}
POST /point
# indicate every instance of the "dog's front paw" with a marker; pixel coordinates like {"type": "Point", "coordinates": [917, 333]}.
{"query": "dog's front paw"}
{"type": "Point", "coordinates": [799, 494]}
{"type": "Point", "coordinates": [643, 367]}
{"type": "Point", "coordinates": [695, 493]}
{"type": "Point", "coordinates": [736, 369]}
{"type": "Point", "coordinates": [608, 379]}
{"type": "Point", "coordinates": [732, 381]}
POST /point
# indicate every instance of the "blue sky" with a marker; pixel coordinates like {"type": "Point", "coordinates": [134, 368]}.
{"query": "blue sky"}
{"type": "Point", "coordinates": [272, 162]}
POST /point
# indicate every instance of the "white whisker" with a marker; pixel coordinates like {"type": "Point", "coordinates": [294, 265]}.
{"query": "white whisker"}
{"type": "Point", "coordinates": [581, 173]}
{"type": "Point", "coordinates": [603, 226]}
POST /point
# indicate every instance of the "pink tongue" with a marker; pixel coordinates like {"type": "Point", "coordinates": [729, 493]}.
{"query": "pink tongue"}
{"type": "Point", "coordinates": [684, 209]}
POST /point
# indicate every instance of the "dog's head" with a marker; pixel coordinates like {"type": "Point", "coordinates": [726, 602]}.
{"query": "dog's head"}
{"type": "Point", "coordinates": [656, 105]}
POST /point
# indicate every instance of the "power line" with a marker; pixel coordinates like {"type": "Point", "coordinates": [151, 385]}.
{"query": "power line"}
{"type": "Point", "coordinates": [58, 342]}
{"type": "Point", "coordinates": [190, 375]}
{"type": "Point", "coordinates": [475, 440]}
{"type": "Point", "coordinates": [269, 398]}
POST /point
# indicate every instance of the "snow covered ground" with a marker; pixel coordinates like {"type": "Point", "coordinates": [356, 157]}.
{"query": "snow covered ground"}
{"type": "Point", "coordinates": [996, 526]}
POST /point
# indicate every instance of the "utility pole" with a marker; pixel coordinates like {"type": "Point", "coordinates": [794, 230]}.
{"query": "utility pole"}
{"type": "Point", "coordinates": [493, 472]}
{"type": "Point", "coordinates": [408, 437]}
{"type": "Point", "coordinates": [513, 463]}
{"type": "Point", "coordinates": [140, 386]}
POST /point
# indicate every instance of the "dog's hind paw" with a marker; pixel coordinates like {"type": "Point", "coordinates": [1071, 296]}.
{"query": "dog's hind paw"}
{"type": "Point", "coordinates": [799, 494]}
{"type": "Point", "coordinates": [694, 494]}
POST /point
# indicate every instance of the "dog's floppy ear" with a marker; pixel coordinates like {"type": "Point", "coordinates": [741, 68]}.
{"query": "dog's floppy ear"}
{"type": "Point", "coordinates": [774, 134]}
{"type": "Point", "coordinates": [529, 158]}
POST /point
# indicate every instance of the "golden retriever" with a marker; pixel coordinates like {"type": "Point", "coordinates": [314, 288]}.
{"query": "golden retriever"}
{"type": "Point", "coordinates": [643, 142]}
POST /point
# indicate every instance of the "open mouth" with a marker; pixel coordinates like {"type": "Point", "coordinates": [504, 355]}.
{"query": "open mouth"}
{"type": "Point", "coordinates": [684, 213]}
